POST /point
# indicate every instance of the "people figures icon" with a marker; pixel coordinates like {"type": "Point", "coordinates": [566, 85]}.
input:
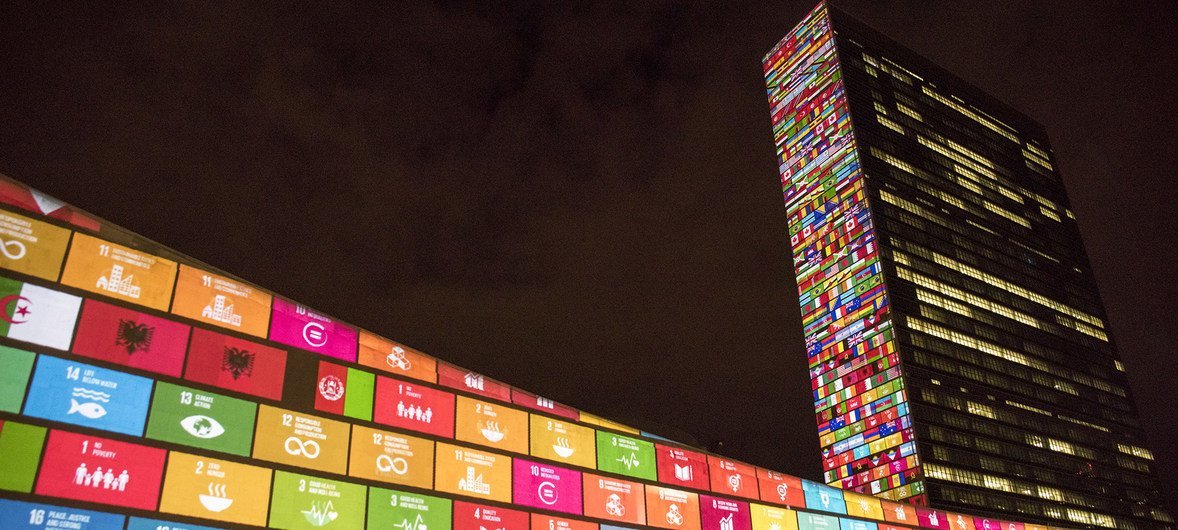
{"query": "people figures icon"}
{"type": "Point", "coordinates": [101, 479]}
{"type": "Point", "coordinates": [414, 412]}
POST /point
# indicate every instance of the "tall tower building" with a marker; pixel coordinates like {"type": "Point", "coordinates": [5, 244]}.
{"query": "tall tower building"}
{"type": "Point", "coordinates": [959, 352]}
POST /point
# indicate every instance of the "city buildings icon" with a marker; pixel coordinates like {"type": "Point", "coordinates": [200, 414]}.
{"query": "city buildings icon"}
{"type": "Point", "coordinates": [117, 284]}
{"type": "Point", "coordinates": [221, 310]}
{"type": "Point", "coordinates": [473, 483]}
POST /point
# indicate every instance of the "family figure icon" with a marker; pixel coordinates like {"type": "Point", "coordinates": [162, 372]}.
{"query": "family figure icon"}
{"type": "Point", "coordinates": [106, 480]}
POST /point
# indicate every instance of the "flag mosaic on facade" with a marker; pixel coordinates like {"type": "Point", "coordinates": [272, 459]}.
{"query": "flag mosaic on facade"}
{"type": "Point", "coordinates": [863, 426]}
{"type": "Point", "coordinates": [124, 412]}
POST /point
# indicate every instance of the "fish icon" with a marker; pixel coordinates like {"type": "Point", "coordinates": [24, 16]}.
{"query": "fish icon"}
{"type": "Point", "coordinates": [89, 409]}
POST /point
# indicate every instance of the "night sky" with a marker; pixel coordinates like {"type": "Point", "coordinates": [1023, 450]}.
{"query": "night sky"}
{"type": "Point", "coordinates": [581, 200]}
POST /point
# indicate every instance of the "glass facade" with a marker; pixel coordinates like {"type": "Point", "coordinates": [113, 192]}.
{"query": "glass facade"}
{"type": "Point", "coordinates": [993, 351]}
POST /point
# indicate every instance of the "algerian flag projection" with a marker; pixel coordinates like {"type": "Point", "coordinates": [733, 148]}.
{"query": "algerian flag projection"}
{"type": "Point", "coordinates": [36, 314]}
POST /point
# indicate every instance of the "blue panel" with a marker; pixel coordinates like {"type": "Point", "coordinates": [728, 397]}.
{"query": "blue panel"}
{"type": "Point", "coordinates": [16, 515]}
{"type": "Point", "coordinates": [154, 524]}
{"type": "Point", "coordinates": [89, 396]}
{"type": "Point", "coordinates": [853, 524]}
{"type": "Point", "coordinates": [823, 497]}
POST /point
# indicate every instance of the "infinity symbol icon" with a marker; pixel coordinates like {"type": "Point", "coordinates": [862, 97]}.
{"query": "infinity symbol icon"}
{"type": "Point", "coordinates": [6, 246]}
{"type": "Point", "coordinates": [385, 463]}
{"type": "Point", "coordinates": [308, 448]}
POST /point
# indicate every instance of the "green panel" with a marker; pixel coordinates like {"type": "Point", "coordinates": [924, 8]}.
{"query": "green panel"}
{"type": "Point", "coordinates": [20, 452]}
{"type": "Point", "coordinates": [15, 366]}
{"type": "Point", "coordinates": [301, 502]}
{"type": "Point", "coordinates": [625, 456]}
{"type": "Point", "coordinates": [201, 419]}
{"type": "Point", "coordinates": [407, 511]}
{"type": "Point", "coordinates": [361, 388]}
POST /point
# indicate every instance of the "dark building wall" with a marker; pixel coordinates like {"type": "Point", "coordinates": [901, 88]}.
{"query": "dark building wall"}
{"type": "Point", "coordinates": [1020, 402]}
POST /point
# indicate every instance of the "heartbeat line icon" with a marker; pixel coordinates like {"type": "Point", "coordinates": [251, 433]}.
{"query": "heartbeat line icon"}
{"type": "Point", "coordinates": [630, 461]}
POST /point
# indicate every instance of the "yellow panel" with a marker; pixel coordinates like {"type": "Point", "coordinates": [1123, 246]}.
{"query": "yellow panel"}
{"type": "Point", "coordinates": [298, 439]}
{"type": "Point", "coordinates": [563, 441]}
{"type": "Point", "coordinates": [473, 473]}
{"type": "Point", "coordinates": [32, 247]}
{"type": "Point", "coordinates": [492, 425]}
{"type": "Point", "coordinates": [391, 457]}
{"type": "Point", "coordinates": [216, 489]}
{"type": "Point", "coordinates": [120, 272]}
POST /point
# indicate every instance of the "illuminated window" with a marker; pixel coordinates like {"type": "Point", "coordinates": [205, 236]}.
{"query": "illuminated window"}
{"type": "Point", "coordinates": [970, 114]}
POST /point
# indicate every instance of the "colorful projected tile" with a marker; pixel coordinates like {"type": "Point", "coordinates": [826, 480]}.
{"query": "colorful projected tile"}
{"type": "Point", "coordinates": [718, 513]}
{"type": "Point", "coordinates": [608, 424]}
{"type": "Point", "coordinates": [31, 247]}
{"type": "Point", "coordinates": [235, 364]}
{"type": "Point", "coordinates": [765, 517]}
{"type": "Point", "coordinates": [216, 489]}
{"type": "Point", "coordinates": [680, 467]}
{"type": "Point", "coordinates": [413, 406]}
{"type": "Point", "coordinates": [21, 196]}
{"type": "Point", "coordinates": [20, 453]}
{"type": "Point", "coordinates": [732, 478]}
{"type": "Point", "coordinates": [614, 499]}
{"type": "Point", "coordinates": [391, 457]}
{"type": "Point", "coordinates": [814, 521]}
{"type": "Point", "coordinates": [672, 509]}
{"type": "Point", "coordinates": [472, 473]}
{"type": "Point", "coordinates": [855, 524]}
{"type": "Point", "coordinates": [17, 515]}
{"type": "Point", "coordinates": [221, 301]}
{"type": "Point", "coordinates": [548, 522]}
{"type": "Point", "coordinates": [196, 418]}
{"type": "Point", "coordinates": [407, 511]}
{"type": "Point", "coordinates": [563, 441]}
{"type": "Point", "coordinates": [37, 315]}
{"type": "Point", "coordinates": [86, 395]}
{"type": "Point", "coordinates": [138, 523]}
{"type": "Point", "coordinates": [119, 272]}
{"type": "Point", "coordinates": [625, 456]}
{"type": "Point", "coordinates": [297, 439]}
{"type": "Point", "coordinates": [844, 306]}
{"type": "Point", "coordinates": [864, 506]}
{"type": "Point", "coordinates": [780, 488]}
{"type": "Point", "coordinates": [461, 379]}
{"type": "Point", "coordinates": [345, 391]}
{"type": "Point", "coordinates": [14, 378]}
{"type": "Point", "coordinates": [491, 424]}
{"type": "Point", "coordinates": [302, 502]}
{"type": "Point", "coordinates": [298, 326]}
{"type": "Point", "coordinates": [470, 516]}
{"type": "Point", "coordinates": [823, 497]}
{"type": "Point", "coordinates": [130, 338]}
{"type": "Point", "coordinates": [398, 359]}
{"type": "Point", "coordinates": [547, 487]}
{"type": "Point", "coordinates": [543, 404]}
{"type": "Point", "coordinates": [100, 470]}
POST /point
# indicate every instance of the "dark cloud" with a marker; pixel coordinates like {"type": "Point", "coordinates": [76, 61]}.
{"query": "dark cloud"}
{"type": "Point", "coordinates": [578, 198]}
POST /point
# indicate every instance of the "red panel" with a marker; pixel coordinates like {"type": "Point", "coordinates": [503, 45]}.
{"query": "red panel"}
{"type": "Point", "coordinates": [470, 516]}
{"type": "Point", "coordinates": [681, 467]}
{"type": "Point", "coordinates": [235, 364]}
{"type": "Point", "coordinates": [130, 338]}
{"type": "Point", "coordinates": [332, 379]}
{"type": "Point", "coordinates": [455, 377]}
{"type": "Point", "coordinates": [414, 406]}
{"type": "Point", "coordinates": [89, 468]}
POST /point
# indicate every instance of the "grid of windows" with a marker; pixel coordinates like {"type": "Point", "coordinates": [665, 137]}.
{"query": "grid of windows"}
{"type": "Point", "coordinates": [998, 357]}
